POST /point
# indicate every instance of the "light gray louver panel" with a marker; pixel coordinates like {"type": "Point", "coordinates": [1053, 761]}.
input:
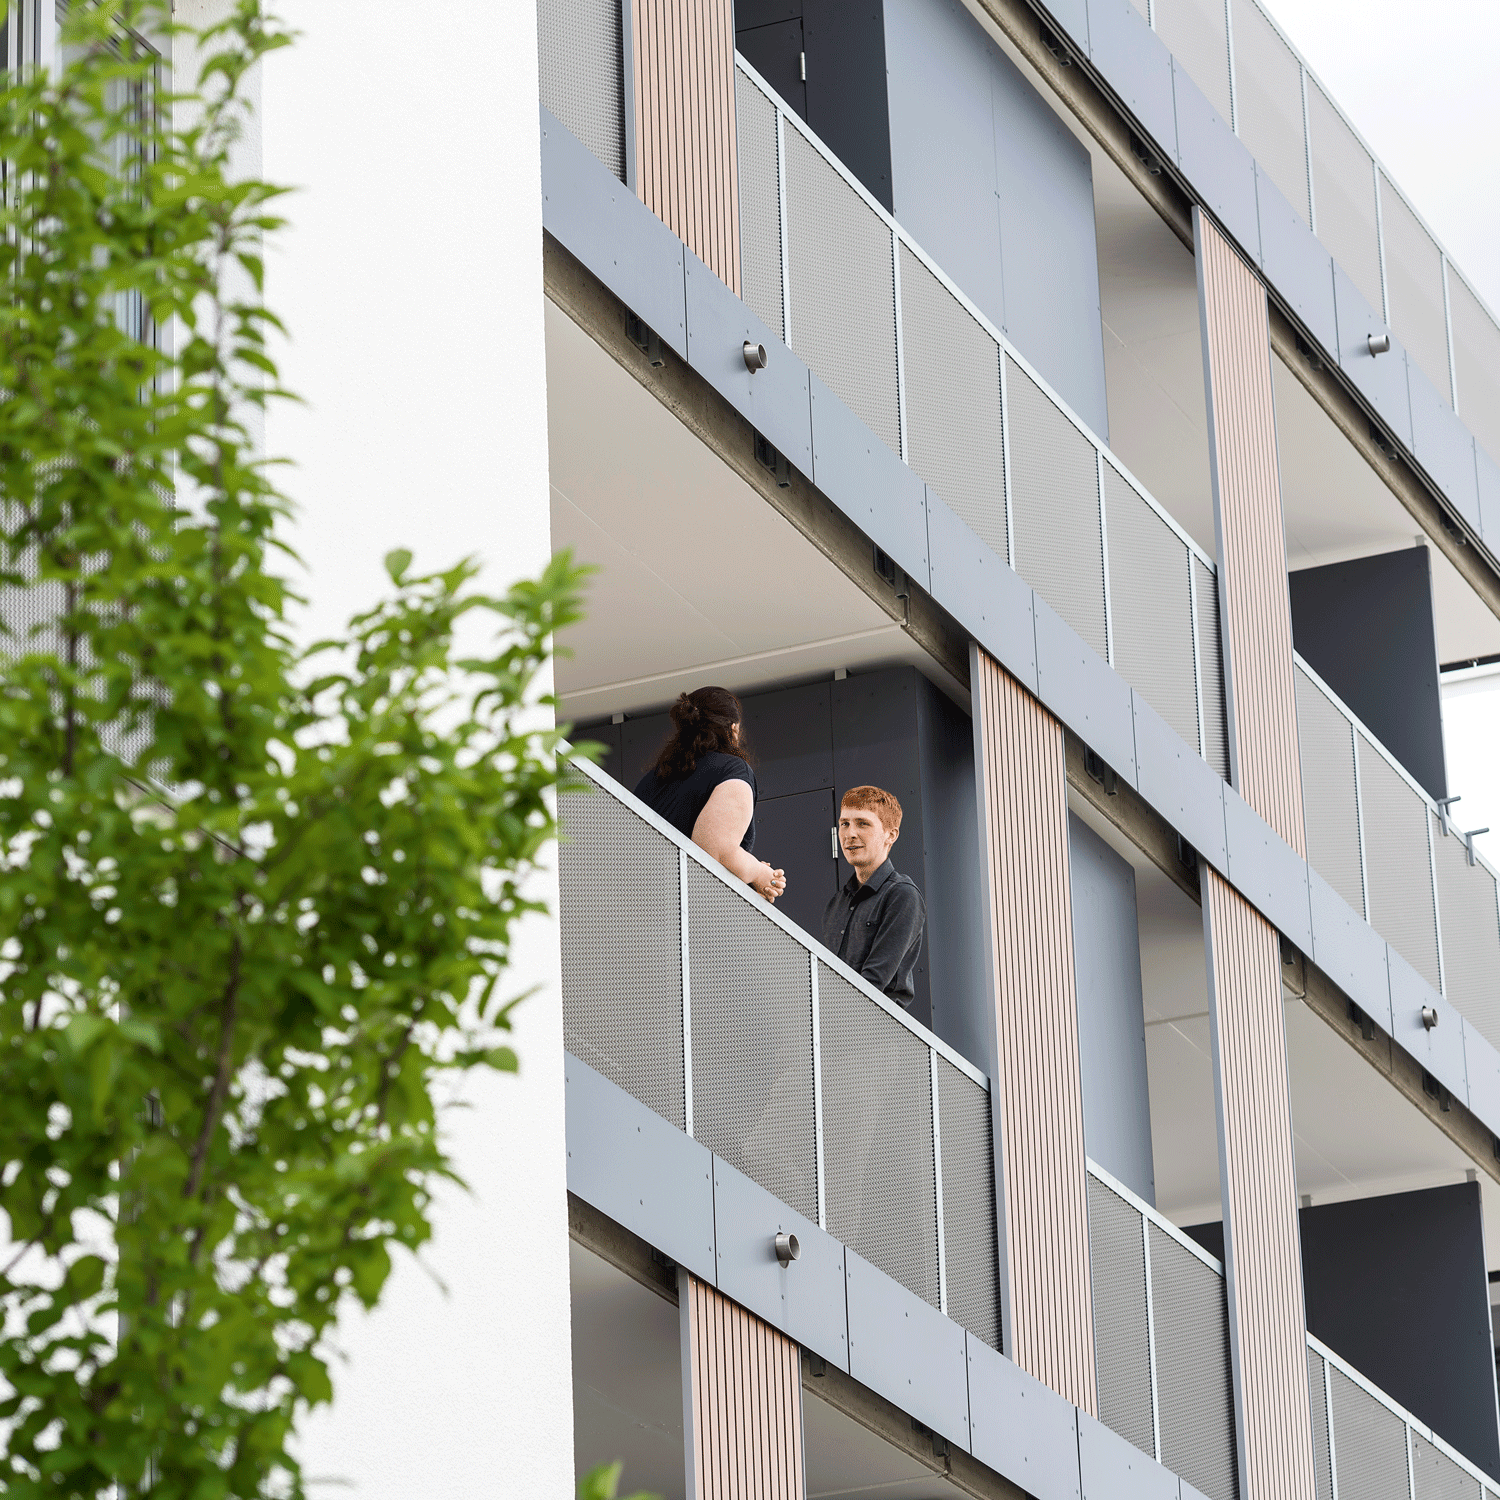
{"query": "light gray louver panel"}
{"type": "Point", "coordinates": [969, 1247]}
{"type": "Point", "coordinates": [1396, 863]}
{"type": "Point", "coordinates": [1211, 670]}
{"type": "Point", "coordinates": [1330, 808]}
{"type": "Point", "coordinates": [622, 966]}
{"type": "Point", "coordinates": [1370, 1444]}
{"type": "Point", "coordinates": [1122, 1348]}
{"type": "Point", "coordinates": [1192, 1368]}
{"type": "Point", "coordinates": [1414, 283]}
{"type": "Point", "coordinates": [1471, 935]}
{"type": "Point", "coordinates": [1343, 177]}
{"type": "Point", "coordinates": [750, 996]}
{"type": "Point", "coordinates": [843, 290]}
{"type": "Point", "coordinates": [582, 81]}
{"type": "Point", "coordinates": [1151, 606]}
{"type": "Point", "coordinates": [877, 1123]}
{"type": "Point", "coordinates": [760, 203]}
{"type": "Point", "coordinates": [1317, 1399]}
{"type": "Point", "coordinates": [953, 423]}
{"type": "Point", "coordinates": [1268, 103]}
{"type": "Point", "coordinates": [1055, 507]}
{"type": "Point", "coordinates": [1437, 1476]}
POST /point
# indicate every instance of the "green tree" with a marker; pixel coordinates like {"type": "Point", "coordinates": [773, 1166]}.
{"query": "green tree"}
{"type": "Point", "coordinates": [254, 899]}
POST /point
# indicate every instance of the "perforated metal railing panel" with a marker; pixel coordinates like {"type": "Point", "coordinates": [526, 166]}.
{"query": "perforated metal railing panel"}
{"type": "Point", "coordinates": [1211, 669]}
{"type": "Point", "coordinates": [843, 289]}
{"type": "Point", "coordinates": [1471, 935]}
{"type": "Point", "coordinates": [1317, 1400]}
{"type": "Point", "coordinates": [750, 999]}
{"type": "Point", "coordinates": [622, 963]}
{"type": "Point", "coordinates": [1268, 103]}
{"type": "Point", "coordinates": [1196, 32]}
{"type": "Point", "coordinates": [952, 383]}
{"type": "Point", "coordinates": [877, 1121]}
{"type": "Point", "coordinates": [1476, 363]}
{"type": "Point", "coordinates": [1396, 863]}
{"type": "Point", "coordinates": [1330, 808]}
{"type": "Point", "coordinates": [1192, 1368]}
{"type": "Point", "coordinates": [1369, 1444]}
{"type": "Point", "coordinates": [1437, 1476]}
{"type": "Point", "coordinates": [1414, 285]}
{"type": "Point", "coordinates": [1122, 1345]}
{"type": "Point", "coordinates": [1343, 182]}
{"type": "Point", "coordinates": [1151, 606]}
{"type": "Point", "coordinates": [760, 203]}
{"type": "Point", "coordinates": [582, 81]}
{"type": "Point", "coordinates": [969, 1246]}
{"type": "Point", "coordinates": [1055, 507]}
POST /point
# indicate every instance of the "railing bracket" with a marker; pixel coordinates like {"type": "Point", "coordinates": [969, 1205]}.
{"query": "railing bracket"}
{"type": "Point", "coordinates": [1098, 771]}
{"type": "Point", "coordinates": [774, 461]}
{"type": "Point", "coordinates": [644, 337]}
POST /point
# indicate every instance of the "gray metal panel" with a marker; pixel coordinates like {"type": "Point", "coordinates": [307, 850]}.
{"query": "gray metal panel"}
{"type": "Point", "coordinates": [1442, 444]}
{"type": "Point", "coordinates": [1330, 805]}
{"type": "Point", "coordinates": [953, 418]}
{"type": "Point", "coordinates": [1440, 1049]}
{"type": "Point", "coordinates": [1179, 784]}
{"type": "Point", "coordinates": [632, 1166]}
{"type": "Point", "coordinates": [774, 400]}
{"type": "Point", "coordinates": [1084, 692]}
{"type": "Point", "coordinates": [1414, 287]}
{"type": "Point", "coordinates": [1268, 106]}
{"type": "Point", "coordinates": [1022, 1429]}
{"type": "Point", "coordinates": [971, 1265]}
{"type": "Point", "coordinates": [1266, 870]}
{"type": "Point", "coordinates": [806, 1299]}
{"type": "Point", "coordinates": [1381, 379]}
{"type": "Point", "coordinates": [1369, 1443]}
{"type": "Point", "coordinates": [1350, 952]}
{"type": "Point", "coordinates": [580, 74]}
{"type": "Point", "coordinates": [1471, 933]}
{"type": "Point", "coordinates": [868, 482]}
{"type": "Point", "coordinates": [1122, 1347]}
{"type": "Point", "coordinates": [605, 226]}
{"type": "Point", "coordinates": [907, 1351]}
{"type": "Point", "coordinates": [760, 203]}
{"type": "Point", "coordinates": [1197, 35]}
{"type": "Point", "coordinates": [1344, 212]}
{"type": "Point", "coordinates": [1296, 265]}
{"type": "Point", "coordinates": [1137, 66]}
{"type": "Point", "coordinates": [981, 592]}
{"type": "Point", "coordinates": [1217, 164]}
{"type": "Point", "coordinates": [1482, 1073]}
{"type": "Point", "coordinates": [1111, 1468]}
{"type": "Point", "coordinates": [1073, 17]}
{"type": "Point", "coordinates": [1489, 494]}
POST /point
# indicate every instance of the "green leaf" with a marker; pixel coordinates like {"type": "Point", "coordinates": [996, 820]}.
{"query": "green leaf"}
{"type": "Point", "coordinates": [396, 564]}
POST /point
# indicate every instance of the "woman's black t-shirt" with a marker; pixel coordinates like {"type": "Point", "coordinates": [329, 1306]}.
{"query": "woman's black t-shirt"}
{"type": "Point", "coordinates": [680, 801]}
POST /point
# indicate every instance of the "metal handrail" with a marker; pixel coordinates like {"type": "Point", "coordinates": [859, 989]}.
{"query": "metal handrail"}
{"type": "Point", "coordinates": [1156, 1217]}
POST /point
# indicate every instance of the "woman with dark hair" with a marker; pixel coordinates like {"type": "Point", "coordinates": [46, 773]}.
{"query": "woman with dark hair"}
{"type": "Point", "coordinates": [703, 786]}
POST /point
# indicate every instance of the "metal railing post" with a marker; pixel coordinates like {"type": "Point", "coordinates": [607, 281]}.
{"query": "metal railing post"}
{"type": "Point", "coordinates": [687, 995]}
{"type": "Point", "coordinates": [937, 1177]}
{"type": "Point", "coordinates": [1151, 1339]}
{"type": "Point", "coordinates": [817, 1058]}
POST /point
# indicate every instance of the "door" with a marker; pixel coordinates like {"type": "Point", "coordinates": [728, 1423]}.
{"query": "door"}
{"type": "Point", "coordinates": [796, 834]}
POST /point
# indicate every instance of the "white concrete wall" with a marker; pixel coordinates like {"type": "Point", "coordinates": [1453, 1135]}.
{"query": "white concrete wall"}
{"type": "Point", "coordinates": [411, 282]}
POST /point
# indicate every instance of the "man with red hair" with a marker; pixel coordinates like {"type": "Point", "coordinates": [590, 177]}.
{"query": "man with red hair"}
{"type": "Point", "coordinates": [876, 921]}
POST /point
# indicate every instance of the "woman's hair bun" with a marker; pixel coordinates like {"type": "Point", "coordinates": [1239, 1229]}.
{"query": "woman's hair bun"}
{"type": "Point", "coordinates": [704, 720]}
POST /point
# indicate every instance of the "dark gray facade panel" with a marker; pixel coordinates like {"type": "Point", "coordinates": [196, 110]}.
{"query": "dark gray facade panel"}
{"type": "Point", "coordinates": [627, 1162]}
{"type": "Point", "coordinates": [1022, 1429]}
{"type": "Point", "coordinates": [1482, 1074]}
{"type": "Point", "coordinates": [774, 400]}
{"type": "Point", "coordinates": [846, 93]}
{"type": "Point", "coordinates": [984, 595]}
{"type": "Point", "coordinates": [1268, 872]}
{"type": "Point", "coordinates": [1111, 1468]}
{"type": "Point", "coordinates": [907, 1351]}
{"type": "Point", "coordinates": [1111, 1015]}
{"type": "Point", "coordinates": [1439, 1048]}
{"type": "Point", "coordinates": [1084, 691]}
{"type": "Point", "coordinates": [1350, 952]}
{"type": "Point", "coordinates": [1443, 445]}
{"type": "Point", "coordinates": [1381, 379]}
{"type": "Point", "coordinates": [869, 483]}
{"type": "Point", "coordinates": [1489, 495]}
{"type": "Point", "coordinates": [804, 1299]}
{"type": "Point", "coordinates": [1179, 784]}
{"type": "Point", "coordinates": [1295, 263]}
{"type": "Point", "coordinates": [1216, 163]}
{"type": "Point", "coordinates": [1137, 66]}
{"type": "Point", "coordinates": [602, 223]}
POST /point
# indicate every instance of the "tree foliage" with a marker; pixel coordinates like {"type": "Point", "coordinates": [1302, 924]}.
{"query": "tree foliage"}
{"type": "Point", "coordinates": [255, 900]}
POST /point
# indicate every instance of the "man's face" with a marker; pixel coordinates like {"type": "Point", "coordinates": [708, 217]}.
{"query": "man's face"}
{"type": "Point", "coordinates": [863, 838]}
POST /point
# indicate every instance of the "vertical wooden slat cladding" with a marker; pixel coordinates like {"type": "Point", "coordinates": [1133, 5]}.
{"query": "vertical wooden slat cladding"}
{"type": "Point", "coordinates": [1263, 1253]}
{"type": "Point", "coordinates": [742, 1401]}
{"type": "Point", "coordinates": [1037, 1094]}
{"type": "Point", "coordinates": [1253, 598]}
{"type": "Point", "coordinates": [687, 168]}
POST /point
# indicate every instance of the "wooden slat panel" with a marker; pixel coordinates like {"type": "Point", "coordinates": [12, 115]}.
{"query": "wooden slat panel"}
{"type": "Point", "coordinates": [1263, 1255]}
{"type": "Point", "coordinates": [1253, 597]}
{"type": "Point", "coordinates": [687, 168]}
{"type": "Point", "coordinates": [742, 1401]}
{"type": "Point", "coordinates": [1037, 1092]}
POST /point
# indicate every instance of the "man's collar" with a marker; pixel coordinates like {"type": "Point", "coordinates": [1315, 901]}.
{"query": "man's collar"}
{"type": "Point", "coordinates": [874, 883]}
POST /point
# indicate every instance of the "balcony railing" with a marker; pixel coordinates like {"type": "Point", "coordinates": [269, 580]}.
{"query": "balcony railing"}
{"type": "Point", "coordinates": [875, 318]}
{"type": "Point", "coordinates": [1381, 842]}
{"type": "Point", "coordinates": [706, 1004]}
